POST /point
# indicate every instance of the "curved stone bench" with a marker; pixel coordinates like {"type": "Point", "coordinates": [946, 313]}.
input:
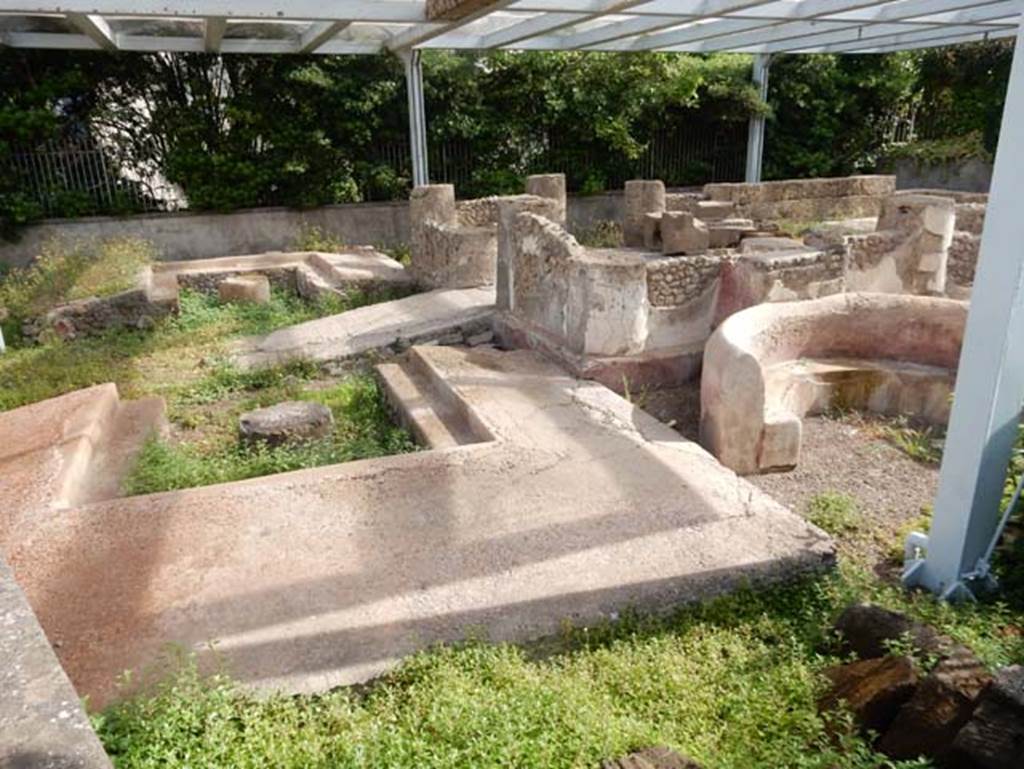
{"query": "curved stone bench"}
{"type": "Point", "coordinates": [768, 366]}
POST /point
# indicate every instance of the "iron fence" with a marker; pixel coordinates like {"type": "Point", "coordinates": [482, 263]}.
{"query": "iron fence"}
{"type": "Point", "coordinates": [69, 177]}
{"type": "Point", "coordinates": [80, 177]}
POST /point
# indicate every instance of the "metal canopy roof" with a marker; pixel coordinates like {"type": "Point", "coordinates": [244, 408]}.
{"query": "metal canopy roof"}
{"type": "Point", "coordinates": [369, 26]}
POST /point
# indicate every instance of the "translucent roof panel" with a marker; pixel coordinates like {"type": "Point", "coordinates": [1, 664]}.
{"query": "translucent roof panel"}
{"type": "Point", "coordinates": [368, 26]}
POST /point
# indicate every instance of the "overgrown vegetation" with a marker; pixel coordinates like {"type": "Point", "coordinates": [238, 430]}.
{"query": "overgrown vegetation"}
{"type": "Point", "coordinates": [603, 234]}
{"type": "Point", "coordinates": [363, 429]}
{"type": "Point", "coordinates": [183, 360]}
{"type": "Point", "coordinates": [244, 131]}
{"type": "Point", "coordinates": [834, 512]}
{"type": "Point", "coordinates": [65, 271]}
{"type": "Point", "coordinates": [732, 683]}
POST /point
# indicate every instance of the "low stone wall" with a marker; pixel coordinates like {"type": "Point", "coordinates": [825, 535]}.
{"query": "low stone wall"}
{"type": "Point", "coordinates": [971, 175]}
{"type": "Point", "coordinates": [182, 236]}
{"type": "Point", "coordinates": [138, 308]}
{"type": "Point", "coordinates": [963, 261]}
{"type": "Point", "coordinates": [42, 723]}
{"type": "Point", "coordinates": [806, 199]}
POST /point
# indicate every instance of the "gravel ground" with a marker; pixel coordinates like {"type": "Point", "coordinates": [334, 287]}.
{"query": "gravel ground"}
{"type": "Point", "coordinates": [847, 455]}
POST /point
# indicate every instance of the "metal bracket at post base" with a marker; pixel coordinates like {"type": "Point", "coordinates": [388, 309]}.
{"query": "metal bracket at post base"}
{"type": "Point", "coordinates": [915, 558]}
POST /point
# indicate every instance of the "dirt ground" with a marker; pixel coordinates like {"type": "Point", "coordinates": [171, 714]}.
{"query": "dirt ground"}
{"type": "Point", "coordinates": [847, 455]}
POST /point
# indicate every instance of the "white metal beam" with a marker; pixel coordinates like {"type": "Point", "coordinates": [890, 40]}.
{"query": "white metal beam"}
{"type": "Point", "coordinates": [213, 34]}
{"type": "Point", "coordinates": [319, 33]}
{"type": "Point", "coordinates": [973, 37]}
{"type": "Point", "coordinates": [756, 128]}
{"type": "Point", "coordinates": [265, 10]}
{"type": "Point", "coordinates": [417, 117]}
{"type": "Point", "coordinates": [95, 28]}
{"type": "Point", "coordinates": [935, 37]}
{"type": "Point", "coordinates": [990, 379]}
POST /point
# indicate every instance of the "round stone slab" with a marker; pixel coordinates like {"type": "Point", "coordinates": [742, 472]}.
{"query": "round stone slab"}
{"type": "Point", "coordinates": [288, 422]}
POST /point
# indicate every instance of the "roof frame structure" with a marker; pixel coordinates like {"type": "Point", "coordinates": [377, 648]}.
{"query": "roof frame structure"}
{"type": "Point", "coordinates": [990, 387]}
{"type": "Point", "coordinates": [365, 26]}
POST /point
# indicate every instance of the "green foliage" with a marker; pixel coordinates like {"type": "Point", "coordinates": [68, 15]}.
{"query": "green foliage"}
{"type": "Point", "coordinates": [834, 512]}
{"type": "Point", "coordinates": [923, 444]}
{"type": "Point", "coordinates": [731, 682]}
{"type": "Point", "coordinates": [602, 235]}
{"type": "Point", "coordinates": [931, 152]}
{"type": "Point", "coordinates": [363, 429]}
{"type": "Point", "coordinates": [314, 238]}
{"type": "Point", "coordinates": [171, 360]}
{"type": "Point", "coordinates": [963, 89]}
{"type": "Point", "coordinates": [830, 113]}
{"type": "Point", "coordinates": [64, 271]}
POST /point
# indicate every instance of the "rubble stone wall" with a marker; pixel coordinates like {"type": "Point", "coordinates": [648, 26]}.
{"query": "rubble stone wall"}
{"type": "Point", "coordinates": [677, 280]}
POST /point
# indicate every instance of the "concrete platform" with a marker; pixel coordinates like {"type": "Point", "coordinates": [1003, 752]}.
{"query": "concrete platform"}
{"type": "Point", "coordinates": [575, 505]}
{"type": "Point", "coordinates": [451, 315]}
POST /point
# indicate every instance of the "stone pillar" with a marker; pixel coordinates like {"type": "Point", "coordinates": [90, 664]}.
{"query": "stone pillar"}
{"type": "Point", "coordinates": [550, 186]}
{"type": "Point", "coordinates": [508, 209]}
{"type": "Point", "coordinates": [432, 203]}
{"type": "Point", "coordinates": [683, 233]}
{"type": "Point", "coordinates": [932, 220]}
{"type": "Point", "coordinates": [642, 197]}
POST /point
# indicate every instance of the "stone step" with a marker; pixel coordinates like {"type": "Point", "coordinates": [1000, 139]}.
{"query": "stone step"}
{"type": "Point", "coordinates": [423, 408]}
{"type": "Point", "coordinates": [114, 455]}
{"type": "Point", "coordinates": [313, 284]}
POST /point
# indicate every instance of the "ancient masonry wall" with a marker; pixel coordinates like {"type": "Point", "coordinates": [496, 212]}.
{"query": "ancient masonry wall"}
{"type": "Point", "coordinates": [677, 280]}
{"type": "Point", "coordinates": [806, 199]}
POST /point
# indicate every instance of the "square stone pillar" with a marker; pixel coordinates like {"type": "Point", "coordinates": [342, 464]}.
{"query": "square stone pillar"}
{"type": "Point", "coordinates": [508, 209]}
{"type": "Point", "coordinates": [550, 186]}
{"type": "Point", "coordinates": [642, 198]}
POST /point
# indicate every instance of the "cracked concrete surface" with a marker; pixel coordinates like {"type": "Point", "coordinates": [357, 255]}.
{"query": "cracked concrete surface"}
{"type": "Point", "coordinates": [581, 505]}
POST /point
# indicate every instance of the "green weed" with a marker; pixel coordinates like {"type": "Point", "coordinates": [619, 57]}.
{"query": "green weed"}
{"type": "Point", "coordinates": [833, 512]}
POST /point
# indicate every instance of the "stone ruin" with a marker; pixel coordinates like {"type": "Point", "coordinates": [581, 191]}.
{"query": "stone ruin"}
{"type": "Point", "coordinates": [519, 445]}
{"type": "Point", "coordinates": [455, 245]}
{"type": "Point", "coordinates": [641, 315]}
{"type": "Point", "coordinates": [310, 275]}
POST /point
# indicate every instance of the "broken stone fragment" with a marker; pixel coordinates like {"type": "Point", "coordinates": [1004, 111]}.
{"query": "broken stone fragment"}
{"type": "Point", "coordinates": [994, 737]}
{"type": "Point", "coordinates": [683, 233]}
{"type": "Point", "coordinates": [288, 422]}
{"type": "Point", "coordinates": [941, 705]}
{"type": "Point", "coordinates": [252, 289]}
{"type": "Point", "coordinates": [868, 630]}
{"type": "Point", "coordinates": [873, 690]}
{"type": "Point", "coordinates": [651, 758]}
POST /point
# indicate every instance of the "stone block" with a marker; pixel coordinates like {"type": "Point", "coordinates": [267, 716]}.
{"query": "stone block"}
{"type": "Point", "coordinates": [994, 737]}
{"type": "Point", "coordinates": [641, 197]}
{"type": "Point", "coordinates": [761, 245]}
{"type": "Point", "coordinates": [715, 210]}
{"type": "Point", "coordinates": [288, 422]}
{"type": "Point", "coordinates": [683, 233]}
{"type": "Point", "coordinates": [251, 289]}
{"type": "Point", "coordinates": [927, 724]}
{"type": "Point", "coordinates": [552, 187]}
{"type": "Point", "coordinates": [432, 203]}
{"type": "Point", "coordinates": [867, 630]}
{"type": "Point", "coordinates": [780, 444]}
{"type": "Point", "coordinates": [873, 690]}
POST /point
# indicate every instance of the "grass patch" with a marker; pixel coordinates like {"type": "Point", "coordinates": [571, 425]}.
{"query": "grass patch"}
{"type": "Point", "coordinates": [64, 272]}
{"type": "Point", "coordinates": [923, 444]}
{"type": "Point", "coordinates": [314, 238]}
{"type": "Point", "coordinates": [731, 683]}
{"type": "Point", "coordinates": [834, 512]}
{"type": "Point", "coordinates": [603, 234]}
{"type": "Point", "coordinates": [363, 429]}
